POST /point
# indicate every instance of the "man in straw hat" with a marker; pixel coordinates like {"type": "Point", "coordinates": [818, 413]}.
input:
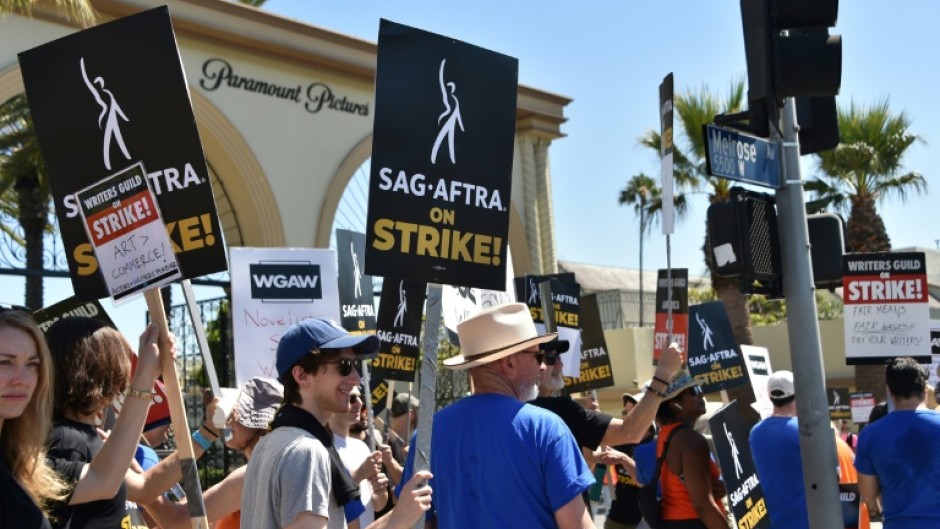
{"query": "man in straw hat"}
{"type": "Point", "coordinates": [295, 477]}
{"type": "Point", "coordinates": [499, 461]}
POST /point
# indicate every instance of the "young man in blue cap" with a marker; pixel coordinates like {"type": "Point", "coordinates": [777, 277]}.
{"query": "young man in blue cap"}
{"type": "Point", "coordinates": [295, 478]}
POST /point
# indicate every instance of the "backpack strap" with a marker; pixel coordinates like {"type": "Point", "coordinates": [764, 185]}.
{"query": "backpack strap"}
{"type": "Point", "coordinates": [662, 458]}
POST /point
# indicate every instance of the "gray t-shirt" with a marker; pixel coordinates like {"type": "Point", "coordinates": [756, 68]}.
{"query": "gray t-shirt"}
{"type": "Point", "coordinates": [289, 473]}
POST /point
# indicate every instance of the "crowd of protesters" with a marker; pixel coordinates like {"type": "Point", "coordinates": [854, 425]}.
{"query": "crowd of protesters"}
{"type": "Point", "coordinates": [513, 453]}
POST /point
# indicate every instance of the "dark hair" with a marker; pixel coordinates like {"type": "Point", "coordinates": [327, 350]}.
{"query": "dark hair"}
{"type": "Point", "coordinates": [665, 413]}
{"type": "Point", "coordinates": [906, 378]}
{"type": "Point", "coordinates": [311, 363]}
{"type": "Point", "coordinates": [92, 364]}
{"type": "Point", "coordinates": [878, 411]}
{"type": "Point", "coordinates": [782, 401]}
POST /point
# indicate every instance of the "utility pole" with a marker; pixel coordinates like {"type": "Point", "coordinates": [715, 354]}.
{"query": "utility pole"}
{"type": "Point", "coordinates": [817, 441]}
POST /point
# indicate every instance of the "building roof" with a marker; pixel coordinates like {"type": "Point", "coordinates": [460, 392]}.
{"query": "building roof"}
{"type": "Point", "coordinates": [597, 278]}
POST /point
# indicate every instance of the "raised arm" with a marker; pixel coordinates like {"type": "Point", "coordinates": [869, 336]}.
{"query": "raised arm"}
{"type": "Point", "coordinates": [632, 429]}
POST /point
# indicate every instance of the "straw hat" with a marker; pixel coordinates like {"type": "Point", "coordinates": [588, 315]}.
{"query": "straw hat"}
{"type": "Point", "coordinates": [679, 383]}
{"type": "Point", "coordinates": [495, 333]}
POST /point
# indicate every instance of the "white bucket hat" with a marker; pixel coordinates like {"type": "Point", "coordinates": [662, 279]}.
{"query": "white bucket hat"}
{"type": "Point", "coordinates": [495, 333]}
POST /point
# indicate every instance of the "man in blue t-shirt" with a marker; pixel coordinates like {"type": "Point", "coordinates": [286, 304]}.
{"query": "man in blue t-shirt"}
{"type": "Point", "coordinates": [775, 448]}
{"type": "Point", "coordinates": [497, 461]}
{"type": "Point", "coordinates": [897, 457]}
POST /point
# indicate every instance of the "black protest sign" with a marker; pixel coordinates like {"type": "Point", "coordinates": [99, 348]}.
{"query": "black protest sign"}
{"type": "Point", "coordinates": [378, 389]}
{"type": "Point", "coordinates": [527, 289]}
{"type": "Point", "coordinates": [107, 98]}
{"type": "Point", "coordinates": [357, 313]}
{"type": "Point", "coordinates": [69, 307]}
{"type": "Point", "coordinates": [399, 329]}
{"type": "Point", "coordinates": [595, 359]}
{"type": "Point", "coordinates": [566, 300]}
{"type": "Point", "coordinates": [840, 404]}
{"type": "Point", "coordinates": [935, 341]}
{"type": "Point", "coordinates": [714, 355]}
{"type": "Point", "coordinates": [442, 147]}
{"type": "Point", "coordinates": [678, 302]}
{"type": "Point", "coordinates": [730, 432]}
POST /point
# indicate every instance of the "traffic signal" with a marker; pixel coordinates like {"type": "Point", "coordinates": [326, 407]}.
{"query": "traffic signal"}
{"type": "Point", "coordinates": [742, 239]}
{"type": "Point", "coordinates": [827, 245]}
{"type": "Point", "coordinates": [790, 53]}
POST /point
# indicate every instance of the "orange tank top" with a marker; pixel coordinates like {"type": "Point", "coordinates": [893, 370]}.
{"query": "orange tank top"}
{"type": "Point", "coordinates": [677, 504]}
{"type": "Point", "coordinates": [230, 521]}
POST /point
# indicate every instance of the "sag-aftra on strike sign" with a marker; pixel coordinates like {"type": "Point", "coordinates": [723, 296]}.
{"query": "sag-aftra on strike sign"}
{"type": "Point", "coordinates": [445, 118]}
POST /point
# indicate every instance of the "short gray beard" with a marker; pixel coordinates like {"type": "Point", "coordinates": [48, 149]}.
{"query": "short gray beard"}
{"type": "Point", "coordinates": [527, 391]}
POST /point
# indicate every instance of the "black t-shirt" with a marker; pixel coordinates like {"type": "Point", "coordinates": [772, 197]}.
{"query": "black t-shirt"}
{"type": "Point", "coordinates": [17, 510]}
{"type": "Point", "coordinates": [625, 509]}
{"type": "Point", "coordinates": [588, 426]}
{"type": "Point", "coordinates": [71, 447]}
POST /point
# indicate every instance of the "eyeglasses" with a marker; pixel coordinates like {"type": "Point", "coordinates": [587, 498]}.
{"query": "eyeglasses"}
{"type": "Point", "coordinates": [551, 358]}
{"type": "Point", "coordinates": [346, 365]}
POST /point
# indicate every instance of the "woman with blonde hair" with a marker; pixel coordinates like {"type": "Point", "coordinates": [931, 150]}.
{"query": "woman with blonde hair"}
{"type": "Point", "coordinates": [26, 482]}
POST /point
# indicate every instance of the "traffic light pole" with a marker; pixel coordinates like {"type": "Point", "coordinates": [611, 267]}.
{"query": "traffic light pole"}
{"type": "Point", "coordinates": [817, 440]}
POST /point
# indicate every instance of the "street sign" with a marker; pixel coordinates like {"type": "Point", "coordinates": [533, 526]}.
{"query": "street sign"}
{"type": "Point", "coordinates": [735, 156]}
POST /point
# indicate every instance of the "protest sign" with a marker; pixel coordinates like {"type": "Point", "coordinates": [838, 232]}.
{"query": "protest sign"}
{"type": "Point", "coordinates": [272, 289]}
{"type": "Point", "coordinates": [680, 310]}
{"type": "Point", "coordinates": [886, 307]}
{"type": "Point", "coordinates": [442, 148]}
{"type": "Point", "coordinates": [666, 148]}
{"type": "Point", "coordinates": [355, 289]}
{"type": "Point", "coordinates": [714, 355]}
{"type": "Point", "coordinates": [933, 370]}
{"type": "Point", "coordinates": [566, 298]}
{"type": "Point", "coordinates": [730, 434]}
{"type": "Point", "coordinates": [459, 303]}
{"type": "Point", "coordinates": [68, 307]}
{"type": "Point", "coordinates": [127, 234]}
{"type": "Point", "coordinates": [108, 98]}
{"type": "Point", "coordinates": [862, 403]}
{"type": "Point", "coordinates": [399, 329]}
{"type": "Point", "coordinates": [757, 361]}
{"type": "Point", "coordinates": [595, 371]}
{"type": "Point", "coordinates": [839, 404]}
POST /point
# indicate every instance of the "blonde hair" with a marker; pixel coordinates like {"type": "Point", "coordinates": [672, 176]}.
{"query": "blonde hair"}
{"type": "Point", "coordinates": [23, 439]}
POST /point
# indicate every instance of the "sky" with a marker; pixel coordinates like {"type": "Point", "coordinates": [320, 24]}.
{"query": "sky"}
{"type": "Point", "coordinates": [609, 57]}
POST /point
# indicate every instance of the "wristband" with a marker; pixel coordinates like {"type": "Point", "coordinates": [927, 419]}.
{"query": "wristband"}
{"type": "Point", "coordinates": [136, 393]}
{"type": "Point", "coordinates": [657, 379]}
{"type": "Point", "coordinates": [202, 441]}
{"type": "Point", "coordinates": [211, 431]}
{"type": "Point", "coordinates": [656, 392]}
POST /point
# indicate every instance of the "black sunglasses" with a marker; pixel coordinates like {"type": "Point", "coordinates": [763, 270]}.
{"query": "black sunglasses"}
{"type": "Point", "coordinates": [346, 365]}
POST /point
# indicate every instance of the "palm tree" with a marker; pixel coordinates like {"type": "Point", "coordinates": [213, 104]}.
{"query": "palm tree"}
{"type": "Point", "coordinates": [863, 170]}
{"type": "Point", "coordinates": [25, 188]}
{"type": "Point", "coordinates": [696, 109]}
{"type": "Point", "coordinates": [646, 198]}
{"type": "Point", "coordinates": [79, 12]}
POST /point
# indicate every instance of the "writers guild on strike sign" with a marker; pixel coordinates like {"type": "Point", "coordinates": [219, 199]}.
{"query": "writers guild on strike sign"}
{"type": "Point", "coordinates": [124, 225]}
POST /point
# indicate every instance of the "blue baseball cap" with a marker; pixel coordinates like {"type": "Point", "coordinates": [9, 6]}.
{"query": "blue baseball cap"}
{"type": "Point", "coordinates": [320, 333]}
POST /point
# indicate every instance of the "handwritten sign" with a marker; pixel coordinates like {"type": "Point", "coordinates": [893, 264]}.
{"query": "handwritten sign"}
{"type": "Point", "coordinates": [886, 310]}
{"type": "Point", "coordinates": [272, 289]}
{"type": "Point", "coordinates": [123, 223]}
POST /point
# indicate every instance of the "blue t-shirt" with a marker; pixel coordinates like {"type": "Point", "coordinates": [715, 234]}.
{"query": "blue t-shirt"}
{"type": "Point", "coordinates": [775, 448]}
{"type": "Point", "coordinates": [644, 456]}
{"type": "Point", "coordinates": [500, 463]}
{"type": "Point", "coordinates": [901, 450]}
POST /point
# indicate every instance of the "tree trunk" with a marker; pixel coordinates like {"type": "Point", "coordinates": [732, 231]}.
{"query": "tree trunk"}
{"type": "Point", "coordinates": [866, 232]}
{"type": "Point", "coordinates": [33, 218]}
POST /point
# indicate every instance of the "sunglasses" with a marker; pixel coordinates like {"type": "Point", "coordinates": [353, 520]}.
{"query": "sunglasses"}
{"type": "Point", "coordinates": [346, 365]}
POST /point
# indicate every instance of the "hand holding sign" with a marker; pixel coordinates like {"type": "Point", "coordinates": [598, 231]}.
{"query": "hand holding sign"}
{"type": "Point", "coordinates": [670, 362]}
